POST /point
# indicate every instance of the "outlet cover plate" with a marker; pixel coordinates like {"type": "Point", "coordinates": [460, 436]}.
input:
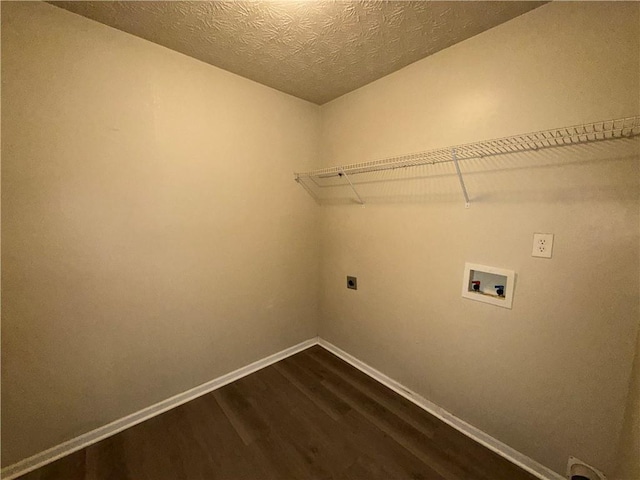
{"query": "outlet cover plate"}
{"type": "Point", "coordinates": [542, 245]}
{"type": "Point", "coordinates": [352, 283]}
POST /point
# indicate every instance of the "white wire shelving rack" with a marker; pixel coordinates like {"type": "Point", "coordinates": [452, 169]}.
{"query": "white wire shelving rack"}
{"type": "Point", "coordinates": [606, 130]}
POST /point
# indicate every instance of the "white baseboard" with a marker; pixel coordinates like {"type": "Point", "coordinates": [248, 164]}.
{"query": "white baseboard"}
{"type": "Point", "coordinates": [40, 459]}
{"type": "Point", "coordinates": [52, 454]}
{"type": "Point", "coordinates": [470, 431]}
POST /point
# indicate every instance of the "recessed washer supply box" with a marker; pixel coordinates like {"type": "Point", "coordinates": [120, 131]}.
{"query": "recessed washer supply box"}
{"type": "Point", "coordinates": [488, 284]}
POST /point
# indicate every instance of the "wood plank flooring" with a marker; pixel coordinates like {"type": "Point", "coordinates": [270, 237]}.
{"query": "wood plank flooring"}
{"type": "Point", "coordinates": [310, 416]}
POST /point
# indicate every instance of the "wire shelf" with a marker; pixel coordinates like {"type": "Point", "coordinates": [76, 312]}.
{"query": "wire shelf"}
{"type": "Point", "coordinates": [558, 137]}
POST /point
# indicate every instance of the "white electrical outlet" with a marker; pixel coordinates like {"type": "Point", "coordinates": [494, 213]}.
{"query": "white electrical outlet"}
{"type": "Point", "coordinates": [542, 245]}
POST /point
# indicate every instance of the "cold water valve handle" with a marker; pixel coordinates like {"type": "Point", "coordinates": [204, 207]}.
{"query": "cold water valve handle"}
{"type": "Point", "coordinates": [500, 290]}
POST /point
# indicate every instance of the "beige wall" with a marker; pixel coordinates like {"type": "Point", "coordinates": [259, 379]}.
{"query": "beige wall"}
{"type": "Point", "coordinates": [628, 462]}
{"type": "Point", "coordinates": [549, 377]}
{"type": "Point", "coordinates": [153, 236]}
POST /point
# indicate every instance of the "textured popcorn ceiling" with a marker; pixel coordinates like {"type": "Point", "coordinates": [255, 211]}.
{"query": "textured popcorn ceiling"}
{"type": "Point", "coordinates": [315, 50]}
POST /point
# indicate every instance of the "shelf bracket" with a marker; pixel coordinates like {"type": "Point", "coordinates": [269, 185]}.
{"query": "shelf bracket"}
{"type": "Point", "coordinates": [344, 174]}
{"type": "Point", "coordinates": [306, 187]}
{"type": "Point", "coordinates": [462, 185]}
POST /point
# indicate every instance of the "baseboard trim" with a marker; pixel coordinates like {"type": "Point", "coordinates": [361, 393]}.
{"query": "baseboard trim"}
{"type": "Point", "coordinates": [515, 457]}
{"type": "Point", "coordinates": [52, 454]}
{"type": "Point", "coordinates": [43, 458]}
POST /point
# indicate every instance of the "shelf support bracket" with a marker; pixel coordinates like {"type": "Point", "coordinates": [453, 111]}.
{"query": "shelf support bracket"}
{"type": "Point", "coordinates": [343, 174]}
{"type": "Point", "coordinates": [462, 185]}
{"type": "Point", "coordinates": [306, 187]}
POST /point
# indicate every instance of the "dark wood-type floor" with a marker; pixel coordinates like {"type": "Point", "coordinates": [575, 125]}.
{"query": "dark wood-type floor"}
{"type": "Point", "coordinates": [310, 416]}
